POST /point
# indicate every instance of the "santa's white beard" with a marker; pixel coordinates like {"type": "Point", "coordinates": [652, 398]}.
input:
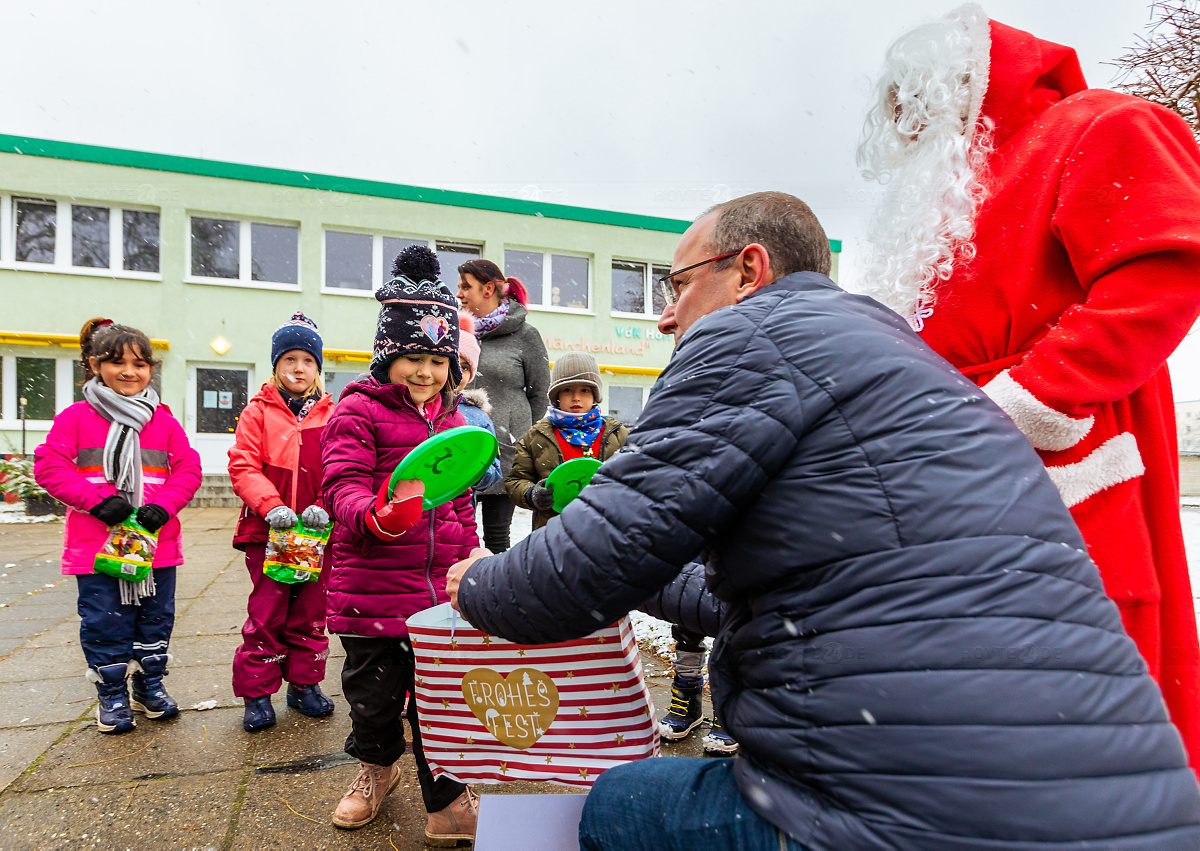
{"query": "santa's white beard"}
{"type": "Point", "coordinates": [924, 142]}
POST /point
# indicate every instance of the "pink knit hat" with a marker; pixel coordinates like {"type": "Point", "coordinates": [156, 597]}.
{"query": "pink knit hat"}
{"type": "Point", "coordinates": [468, 345]}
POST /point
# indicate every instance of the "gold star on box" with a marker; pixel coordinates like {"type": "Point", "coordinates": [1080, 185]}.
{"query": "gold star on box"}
{"type": "Point", "coordinates": [487, 641]}
{"type": "Point", "coordinates": [583, 711]}
{"type": "Point", "coordinates": [570, 675]}
{"type": "Point", "coordinates": [583, 772]}
{"type": "Point", "coordinates": [571, 746]}
{"type": "Point", "coordinates": [470, 741]}
{"type": "Point", "coordinates": [504, 768]}
{"type": "Point", "coordinates": [620, 739]}
{"type": "Point", "coordinates": [602, 640]}
{"type": "Point", "coordinates": [521, 652]}
{"type": "Point", "coordinates": [420, 681]}
{"type": "Point", "coordinates": [462, 756]}
{"type": "Point", "coordinates": [615, 687]}
{"type": "Point", "coordinates": [453, 643]}
{"type": "Point", "coordinates": [428, 726]}
{"type": "Point", "coordinates": [445, 703]}
{"type": "Point", "coordinates": [547, 760]}
{"type": "Point", "coordinates": [437, 660]}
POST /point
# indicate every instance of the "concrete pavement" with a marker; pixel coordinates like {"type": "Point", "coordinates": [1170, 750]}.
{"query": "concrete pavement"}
{"type": "Point", "coordinates": [195, 782]}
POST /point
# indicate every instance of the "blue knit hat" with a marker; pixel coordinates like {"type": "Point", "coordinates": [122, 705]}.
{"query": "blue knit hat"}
{"type": "Point", "coordinates": [299, 332]}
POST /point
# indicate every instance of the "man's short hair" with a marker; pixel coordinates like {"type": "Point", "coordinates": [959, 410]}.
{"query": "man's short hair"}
{"type": "Point", "coordinates": [780, 223]}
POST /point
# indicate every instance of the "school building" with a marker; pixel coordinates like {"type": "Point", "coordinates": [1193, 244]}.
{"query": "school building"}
{"type": "Point", "coordinates": [208, 258]}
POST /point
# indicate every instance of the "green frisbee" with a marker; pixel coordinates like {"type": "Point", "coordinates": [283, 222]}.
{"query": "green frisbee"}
{"type": "Point", "coordinates": [448, 463]}
{"type": "Point", "coordinates": [569, 478]}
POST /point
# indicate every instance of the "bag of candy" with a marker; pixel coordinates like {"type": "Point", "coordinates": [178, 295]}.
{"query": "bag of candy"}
{"type": "Point", "coordinates": [129, 551]}
{"type": "Point", "coordinates": [294, 555]}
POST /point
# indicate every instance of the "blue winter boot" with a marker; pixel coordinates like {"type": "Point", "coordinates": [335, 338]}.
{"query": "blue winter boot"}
{"type": "Point", "coordinates": [259, 715]}
{"type": "Point", "coordinates": [149, 694]}
{"type": "Point", "coordinates": [718, 741]}
{"type": "Point", "coordinates": [310, 700]}
{"type": "Point", "coordinates": [113, 714]}
{"type": "Point", "coordinates": [685, 712]}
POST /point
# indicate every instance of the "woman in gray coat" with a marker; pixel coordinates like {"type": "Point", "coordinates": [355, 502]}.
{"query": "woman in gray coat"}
{"type": "Point", "coordinates": [513, 369]}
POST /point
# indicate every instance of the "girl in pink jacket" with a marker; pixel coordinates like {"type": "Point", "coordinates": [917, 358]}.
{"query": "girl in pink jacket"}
{"type": "Point", "coordinates": [118, 453]}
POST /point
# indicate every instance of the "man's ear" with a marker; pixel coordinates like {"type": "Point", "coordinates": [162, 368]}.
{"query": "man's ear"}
{"type": "Point", "coordinates": [754, 264]}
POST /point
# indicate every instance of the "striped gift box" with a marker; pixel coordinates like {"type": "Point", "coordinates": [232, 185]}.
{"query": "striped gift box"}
{"type": "Point", "coordinates": [493, 711]}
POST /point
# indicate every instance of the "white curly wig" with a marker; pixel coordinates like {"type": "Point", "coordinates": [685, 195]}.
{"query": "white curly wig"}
{"type": "Point", "coordinates": [925, 141]}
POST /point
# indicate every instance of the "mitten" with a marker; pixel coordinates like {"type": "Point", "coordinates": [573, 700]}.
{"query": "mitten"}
{"type": "Point", "coordinates": [112, 511]}
{"type": "Point", "coordinates": [281, 517]}
{"type": "Point", "coordinates": [388, 520]}
{"type": "Point", "coordinates": [152, 516]}
{"type": "Point", "coordinates": [315, 517]}
{"type": "Point", "coordinates": [540, 496]}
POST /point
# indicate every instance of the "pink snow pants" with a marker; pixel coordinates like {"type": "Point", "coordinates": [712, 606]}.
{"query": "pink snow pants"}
{"type": "Point", "coordinates": [284, 636]}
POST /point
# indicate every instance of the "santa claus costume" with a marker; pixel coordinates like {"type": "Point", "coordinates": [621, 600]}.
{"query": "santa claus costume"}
{"type": "Point", "coordinates": [1081, 276]}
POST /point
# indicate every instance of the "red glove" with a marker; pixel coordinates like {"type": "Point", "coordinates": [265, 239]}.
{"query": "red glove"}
{"type": "Point", "coordinates": [389, 520]}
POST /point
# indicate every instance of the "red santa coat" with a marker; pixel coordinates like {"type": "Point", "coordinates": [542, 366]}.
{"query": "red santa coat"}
{"type": "Point", "coordinates": [1087, 277]}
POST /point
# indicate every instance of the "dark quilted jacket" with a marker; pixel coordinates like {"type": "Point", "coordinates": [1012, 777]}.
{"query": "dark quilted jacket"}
{"type": "Point", "coordinates": [916, 651]}
{"type": "Point", "coordinates": [375, 585]}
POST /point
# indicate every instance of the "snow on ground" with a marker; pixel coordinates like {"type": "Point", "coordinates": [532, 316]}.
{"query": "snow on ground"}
{"type": "Point", "coordinates": [14, 512]}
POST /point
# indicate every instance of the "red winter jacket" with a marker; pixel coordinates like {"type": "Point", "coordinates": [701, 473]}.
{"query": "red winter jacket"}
{"type": "Point", "coordinates": [275, 460]}
{"type": "Point", "coordinates": [1087, 276]}
{"type": "Point", "coordinates": [375, 585]}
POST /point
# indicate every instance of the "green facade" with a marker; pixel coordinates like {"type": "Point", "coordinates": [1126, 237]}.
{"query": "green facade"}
{"type": "Point", "coordinates": [175, 306]}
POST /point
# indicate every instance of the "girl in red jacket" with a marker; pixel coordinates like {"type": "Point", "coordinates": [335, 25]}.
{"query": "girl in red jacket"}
{"type": "Point", "coordinates": [275, 467]}
{"type": "Point", "coordinates": [115, 454]}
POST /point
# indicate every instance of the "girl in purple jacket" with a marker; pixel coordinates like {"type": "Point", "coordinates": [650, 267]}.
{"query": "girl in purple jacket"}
{"type": "Point", "coordinates": [117, 453]}
{"type": "Point", "coordinates": [389, 560]}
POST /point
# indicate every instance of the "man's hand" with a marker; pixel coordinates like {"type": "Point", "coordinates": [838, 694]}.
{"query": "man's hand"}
{"type": "Point", "coordinates": [455, 574]}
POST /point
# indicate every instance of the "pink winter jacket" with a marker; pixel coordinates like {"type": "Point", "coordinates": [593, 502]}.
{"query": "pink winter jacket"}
{"type": "Point", "coordinates": [70, 466]}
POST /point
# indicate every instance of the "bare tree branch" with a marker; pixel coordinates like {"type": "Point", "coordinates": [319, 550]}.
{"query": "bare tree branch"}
{"type": "Point", "coordinates": [1164, 65]}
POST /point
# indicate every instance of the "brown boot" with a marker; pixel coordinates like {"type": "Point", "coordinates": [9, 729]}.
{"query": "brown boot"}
{"type": "Point", "coordinates": [449, 825]}
{"type": "Point", "coordinates": [362, 800]}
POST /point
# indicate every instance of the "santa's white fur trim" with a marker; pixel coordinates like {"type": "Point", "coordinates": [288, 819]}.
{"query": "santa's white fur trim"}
{"type": "Point", "coordinates": [1114, 461]}
{"type": "Point", "coordinates": [1047, 429]}
{"type": "Point", "coordinates": [976, 23]}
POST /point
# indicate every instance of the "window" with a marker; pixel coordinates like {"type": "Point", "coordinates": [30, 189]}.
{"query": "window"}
{"type": "Point", "coordinates": [35, 382]}
{"type": "Point", "coordinates": [553, 280]}
{"type": "Point", "coordinates": [228, 249]}
{"type": "Point", "coordinates": [625, 403]}
{"type": "Point", "coordinates": [632, 290]}
{"type": "Point", "coordinates": [84, 236]}
{"type": "Point", "coordinates": [89, 236]}
{"type": "Point", "coordinates": [335, 382]}
{"type": "Point", "coordinates": [35, 231]}
{"type": "Point", "coordinates": [139, 241]}
{"type": "Point", "coordinates": [220, 396]}
{"type": "Point", "coordinates": [363, 262]}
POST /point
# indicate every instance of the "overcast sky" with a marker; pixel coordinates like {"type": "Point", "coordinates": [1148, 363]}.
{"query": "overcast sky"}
{"type": "Point", "coordinates": [648, 107]}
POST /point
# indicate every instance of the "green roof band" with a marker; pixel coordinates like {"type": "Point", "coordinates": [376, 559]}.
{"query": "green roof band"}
{"type": "Point", "coordinates": [309, 180]}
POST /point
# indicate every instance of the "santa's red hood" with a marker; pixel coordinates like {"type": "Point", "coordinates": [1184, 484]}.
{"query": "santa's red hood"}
{"type": "Point", "coordinates": [1026, 75]}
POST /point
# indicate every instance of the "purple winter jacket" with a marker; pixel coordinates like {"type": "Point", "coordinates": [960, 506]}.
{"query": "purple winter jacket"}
{"type": "Point", "coordinates": [375, 585]}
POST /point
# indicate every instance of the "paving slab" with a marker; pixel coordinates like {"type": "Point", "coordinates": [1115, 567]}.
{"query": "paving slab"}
{"type": "Point", "coordinates": [39, 663]}
{"type": "Point", "coordinates": [21, 746]}
{"type": "Point", "coordinates": [12, 625]}
{"type": "Point", "coordinates": [180, 813]}
{"type": "Point", "coordinates": [193, 743]}
{"type": "Point", "coordinates": [44, 701]}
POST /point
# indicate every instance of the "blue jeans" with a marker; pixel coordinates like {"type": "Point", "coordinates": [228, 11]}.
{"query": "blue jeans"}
{"type": "Point", "coordinates": [112, 633]}
{"type": "Point", "coordinates": [681, 803]}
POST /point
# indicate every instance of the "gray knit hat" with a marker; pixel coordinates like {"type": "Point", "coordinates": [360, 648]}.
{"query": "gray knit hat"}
{"type": "Point", "coordinates": [574, 368]}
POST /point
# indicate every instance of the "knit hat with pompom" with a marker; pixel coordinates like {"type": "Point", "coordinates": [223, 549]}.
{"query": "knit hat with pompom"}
{"type": "Point", "coordinates": [299, 332]}
{"type": "Point", "coordinates": [418, 315]}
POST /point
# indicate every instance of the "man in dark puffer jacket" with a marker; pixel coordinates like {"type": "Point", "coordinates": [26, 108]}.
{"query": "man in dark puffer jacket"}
{"type": "Point", "coordinates": [915, 649]}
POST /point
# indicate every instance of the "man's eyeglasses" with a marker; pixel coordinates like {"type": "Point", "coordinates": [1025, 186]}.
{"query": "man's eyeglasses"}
{"type": "Point", "coordinates": [670, 292]}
